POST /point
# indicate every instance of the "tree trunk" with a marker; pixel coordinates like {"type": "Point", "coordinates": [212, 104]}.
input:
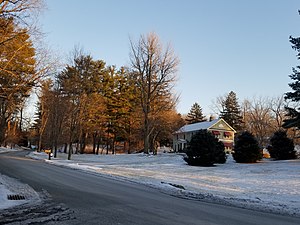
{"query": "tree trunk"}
{"type": "Point", "coordinates": [3, 127]}
{"type": "Point", "coordinates": [98, 145]}
{"type": "Point", "coordinates": [65, 148]}
{"type": "Point", "coordinates": [146, 134]}
{"type": "Point", "coordinates": [94, 142]}
{"type": "Point", "coordinates": [70, 150]}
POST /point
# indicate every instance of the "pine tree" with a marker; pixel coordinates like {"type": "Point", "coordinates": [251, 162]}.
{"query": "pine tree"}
{"type": "Point", "coordinates": [195, 115]}
{"type": "Point", "coordinates": [293, 114]}
{"type": "Point", "coordinates": [232, 113]}
{"type": "Point", "coordinates": [246, 148]}
{"type": "Point", "coordinates": [204, 150]}
{"type": "Point", "coordinates": [282, 147]}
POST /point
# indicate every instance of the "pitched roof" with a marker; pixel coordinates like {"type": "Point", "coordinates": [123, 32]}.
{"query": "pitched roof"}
{"type": "Point", "coordinates": [197, 126]}
{"type": "Point", "coordinates": [201, 126]}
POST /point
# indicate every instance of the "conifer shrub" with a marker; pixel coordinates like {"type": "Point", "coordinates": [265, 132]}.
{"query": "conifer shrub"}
{"type": "Point", "coordinates": [246, 149]}
{"type": "Point", "coordinates": [203, 150]}
{"type": "Point", "coordinates": [220, 155]}
{"type": "Point", "coordinates": [282, 147]}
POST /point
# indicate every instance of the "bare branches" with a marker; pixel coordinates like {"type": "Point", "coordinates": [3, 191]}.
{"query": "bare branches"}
{"type": "Point", "coordinates": [20, 10]}
{"type": "Point", "coordinates": [155, 71]}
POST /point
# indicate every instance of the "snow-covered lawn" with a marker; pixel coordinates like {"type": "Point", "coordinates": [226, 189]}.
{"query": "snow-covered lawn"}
{"type": "Point", "coordinates": [268, 186]}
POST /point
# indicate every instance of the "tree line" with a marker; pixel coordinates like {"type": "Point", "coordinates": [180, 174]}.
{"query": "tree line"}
{"type": "Point", "coordinates": [128, 108]}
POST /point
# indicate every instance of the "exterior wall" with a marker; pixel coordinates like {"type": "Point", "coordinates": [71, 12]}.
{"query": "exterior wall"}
{"type": "Point", "coordinates": [227, 137]}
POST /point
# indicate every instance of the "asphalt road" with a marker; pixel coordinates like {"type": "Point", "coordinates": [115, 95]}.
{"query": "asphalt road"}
{"type": "Point", "coordinates": [76, 197]}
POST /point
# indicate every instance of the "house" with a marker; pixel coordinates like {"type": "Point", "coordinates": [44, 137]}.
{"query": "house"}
{"type": "Point", "coordinates": [218, 127]}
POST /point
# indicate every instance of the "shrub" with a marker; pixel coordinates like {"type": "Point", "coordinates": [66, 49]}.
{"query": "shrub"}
{"type": "Point", "coordinates": [203, 150]}
{"type": "Point", "coordinates": [282, 147]}
{"type": "Point", "coordinates": [220, 155]}
{"type": "Point", "coordinates": [246, 148]}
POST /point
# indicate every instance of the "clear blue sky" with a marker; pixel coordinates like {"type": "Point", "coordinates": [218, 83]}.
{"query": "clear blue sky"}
{"type": "Point", "coordinates": [223, 45]}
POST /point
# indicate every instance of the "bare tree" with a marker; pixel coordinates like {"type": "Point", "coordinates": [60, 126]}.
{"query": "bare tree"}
{"type": "Point", "coordinates": [155, 70]}
{"type": "Point", "coordinates": [259, 119]}
{"type": "Point", "coordinates": [277, 105]}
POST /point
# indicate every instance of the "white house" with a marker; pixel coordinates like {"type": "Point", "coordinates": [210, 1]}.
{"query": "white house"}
{"type": "Point", "coordinates": [219, 127]}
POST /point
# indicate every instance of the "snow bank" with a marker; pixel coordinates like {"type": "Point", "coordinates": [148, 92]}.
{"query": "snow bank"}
{"type": "Point", "coordinates": [10, 186]}
{"type": "Point", "coordinates": [268, 186]}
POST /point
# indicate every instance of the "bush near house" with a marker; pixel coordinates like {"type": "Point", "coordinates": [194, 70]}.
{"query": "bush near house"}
{"type": "Point", "coordinates": [246, 148]}
{"type": "Point", "coordinates": [204, 149]}
{"type": "Point", "coordinates": [282, 147]}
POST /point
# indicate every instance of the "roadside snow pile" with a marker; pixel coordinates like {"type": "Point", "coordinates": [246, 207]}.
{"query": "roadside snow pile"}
{"type": "Point", "coordinates": [10, 186]}
{"type": "Point", "coordinates": [272, 186]}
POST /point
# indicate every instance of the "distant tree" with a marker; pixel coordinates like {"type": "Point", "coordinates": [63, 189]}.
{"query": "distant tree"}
{"type": "Point", "coordinates": [204, 150]}
{"type": "Point", "coordinates": [164, 126]}
{"type": "Point", "coordinates": [282, 147]}
{"type": "Point", "coordinates": [155, 70]}
{"type": "Point", "coordinates": [246, 148]}
{"type": "Point", "coordinates": [195, 115]}
{"type": "Point", "coordinates": [259, 119]}
{"type": "Point", "coordinates": [231, 111]}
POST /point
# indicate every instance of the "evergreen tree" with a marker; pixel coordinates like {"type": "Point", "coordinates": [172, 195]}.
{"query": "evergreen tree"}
{"type": "Point", "coordinates": [231, 111]}
{"type": "Point", "coordinates": [246, 149]}
{"type": "Point", "coordinates": [282, 147]}
{"type": "Point", "coordinates": [204, 150]}
{"type": "Point", "coordinates": [293, 114]}
{"type": "Point", "coordinates": [220, 155]}
{"type": "Point", "coordinates": [195, 115]}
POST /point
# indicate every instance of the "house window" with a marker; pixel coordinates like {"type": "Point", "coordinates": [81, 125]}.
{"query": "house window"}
{"type": "Point", "coordinates": [227, 134]}
{"type": "Point", "coordinates": [215, 132]}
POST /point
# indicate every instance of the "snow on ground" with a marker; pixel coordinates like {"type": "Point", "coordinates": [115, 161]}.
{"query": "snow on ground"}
{"type": "Point", "coordinates": [272, 186]}
{"type": "Point", "coordinates": [10, 186]}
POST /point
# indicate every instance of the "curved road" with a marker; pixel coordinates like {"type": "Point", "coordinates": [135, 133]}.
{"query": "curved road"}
{"type": "Point", "coordinates": [81, 198]}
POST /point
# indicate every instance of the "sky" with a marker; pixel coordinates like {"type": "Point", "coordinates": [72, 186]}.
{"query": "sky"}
{"type": "Point", "coordinates": [233, 45]}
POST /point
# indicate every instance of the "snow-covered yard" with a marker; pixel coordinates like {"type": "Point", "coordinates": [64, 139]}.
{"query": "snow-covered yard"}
{"type": "Point", "coordinates": [268, 186]}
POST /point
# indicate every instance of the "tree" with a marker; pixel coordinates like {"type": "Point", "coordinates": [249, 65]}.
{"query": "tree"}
{"type": "Point", "coordinates": [282, 147]}
{"type": "Point", "coordinates": [294, 96]}
{"type": "Point", "coordinates": [17, 71]}
{"type": "Point", "coordinates": [195, 115]}
{"type": "Point", "coordinates": [20, 10]}
{"type": "Point", "coordinates": [231, 112]}
{"type": "Point", "coordinates": [78, 81]}
{"type": "Point", "coordinates": [259, 119]}
{"type": "Point", "coordinates": [204, 150]}
{"type": "Point", "coordinates": [246, 148]}
{"type": "Point", "coordinates": [154, 69]}
{"type": "Point", "coordinates": [220, 155]}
